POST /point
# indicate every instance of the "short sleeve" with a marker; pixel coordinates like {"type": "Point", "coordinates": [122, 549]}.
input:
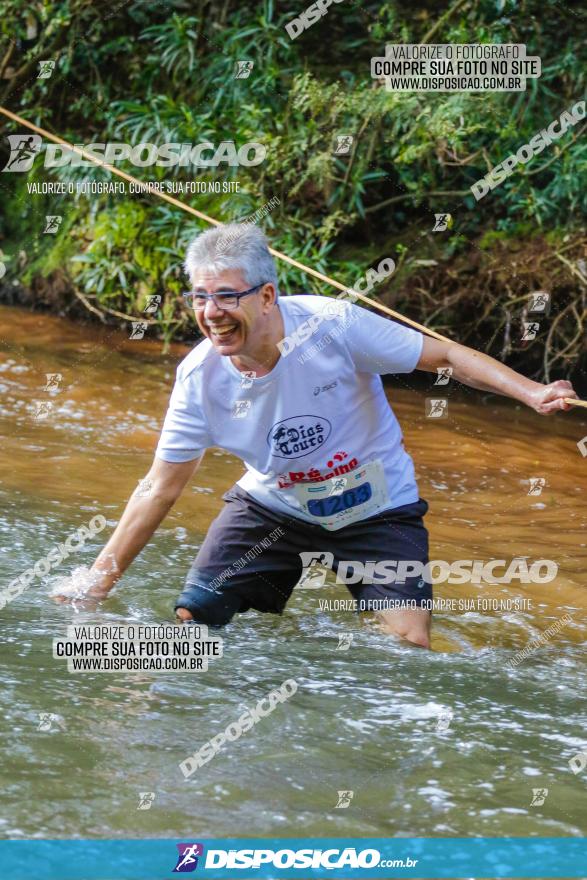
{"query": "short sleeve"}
{"type": "Point", "coordinates": [185, 433]}
{"type": "Point", "coordinates": [381, 345]}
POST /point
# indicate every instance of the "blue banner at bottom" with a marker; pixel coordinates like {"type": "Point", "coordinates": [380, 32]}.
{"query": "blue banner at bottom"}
{"type": "Point", "coordinates": [302, 857]}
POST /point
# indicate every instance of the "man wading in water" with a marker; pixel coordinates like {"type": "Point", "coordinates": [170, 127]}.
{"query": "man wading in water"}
{"type": "Point", "coordinates": [292, 387]}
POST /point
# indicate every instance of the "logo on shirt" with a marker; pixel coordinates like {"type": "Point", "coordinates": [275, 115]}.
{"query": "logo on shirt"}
{"type": "Point", "coordinates": [298, 436]}
{"type": "Point", "coordinates": [284, 481]}
{"type": "Point", "coordinates": [319, 388]}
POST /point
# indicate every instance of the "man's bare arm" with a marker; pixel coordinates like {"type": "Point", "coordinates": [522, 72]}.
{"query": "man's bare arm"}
{"type": "Point", "coordinates": [147, 507]}
{"type": "Point", "coordinates": [486, 374]}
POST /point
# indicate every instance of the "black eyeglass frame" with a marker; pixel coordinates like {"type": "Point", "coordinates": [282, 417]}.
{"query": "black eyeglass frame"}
{"type": "Point", "coordinates": [191, 295]}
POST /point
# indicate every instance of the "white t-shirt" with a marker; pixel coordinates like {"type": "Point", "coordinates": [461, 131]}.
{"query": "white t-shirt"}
{"type": "Point", "coordinates": [321, 413]}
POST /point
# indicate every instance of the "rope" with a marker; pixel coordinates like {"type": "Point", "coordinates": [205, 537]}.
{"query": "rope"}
{"type": "Point", "coordinates": [148, 187]}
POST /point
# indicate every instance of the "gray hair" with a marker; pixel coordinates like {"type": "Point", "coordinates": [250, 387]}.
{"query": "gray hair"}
{"type": "Point", "coordinates": [241, 246]}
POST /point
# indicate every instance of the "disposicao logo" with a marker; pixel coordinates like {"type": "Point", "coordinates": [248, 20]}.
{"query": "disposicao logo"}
{"type": "Point", "coordinates": [25, 147]}
{"type": "Point", "coordinates": [187, 859]}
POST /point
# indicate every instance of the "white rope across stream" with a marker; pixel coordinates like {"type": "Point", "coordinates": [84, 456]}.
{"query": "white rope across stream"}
{"type": "Point", "coordinates": [148, 187]}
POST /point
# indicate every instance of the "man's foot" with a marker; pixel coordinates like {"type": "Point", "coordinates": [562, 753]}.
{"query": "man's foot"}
{"type": "Point", "coordinates": [413, 625]}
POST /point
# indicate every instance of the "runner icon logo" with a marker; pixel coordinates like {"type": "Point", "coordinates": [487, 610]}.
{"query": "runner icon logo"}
{"type": "Point", "coordinates": [146, 799]}
{"type": "Point", "coordinates": [46, 68]}
{"type": "Point", "coordinates": [539, 795]}
{"type": "Point", "coordinates": [52, 223]}
{"type": "Point", "coordinates": [240, 409]}
{"type": "Point", "coordinates": [153, 303]}
{"type": "Point", "coordinates": [23, 149]}
{"type": "Point", "coordinates": [187, 859]}
{"type": "Point", "coordinates": [313, 580]}
{"type": "Point", "coordinates": [46, 720]}
{"type": "Point", "coordinates": [531, 329]}
{"type": "Point", "coordinates": [339, 485]}
{"type": "Point", "coordinates": [138, 329]}
{"type": "Point", "coordinates": [344, 143]}
{"type": "Point", "coordinates": [242, 69]}
{"type": "Point", "coordinates": [442, 222]}
{"type": "Point", "coordinates": [578, 762]}
{"type": "Point", "coordinates": [436, 408]}
{"type": "Point", "coordinates": [443, 375]}
{"type": "Point", "coordinates": [43, 409]}
{"type": "Point", "coordinates": [444, 719]}
{"type": "Point", "coordinates": [537, 484]}
{"type": "Point", "coordinates": [53, 380]}
{"type": "Point", "coordinates": [539, 302]}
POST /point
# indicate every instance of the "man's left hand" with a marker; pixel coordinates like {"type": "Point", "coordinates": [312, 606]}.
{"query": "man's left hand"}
{"type": "Point", "coordinates": [547, 399]}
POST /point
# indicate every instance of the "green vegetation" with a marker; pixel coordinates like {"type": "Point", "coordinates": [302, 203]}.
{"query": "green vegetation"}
{"type": "Point", "coordinates": [164, 72]}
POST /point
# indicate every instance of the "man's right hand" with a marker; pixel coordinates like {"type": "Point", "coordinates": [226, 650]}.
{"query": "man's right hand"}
{"type": "Point", "coordinates": [146, 509]}
{"type": "Point", "coordinates": [82, 584]}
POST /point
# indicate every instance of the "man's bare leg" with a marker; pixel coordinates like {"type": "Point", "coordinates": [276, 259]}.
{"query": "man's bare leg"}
{"type": "Point", "coordinates": [410, 624]}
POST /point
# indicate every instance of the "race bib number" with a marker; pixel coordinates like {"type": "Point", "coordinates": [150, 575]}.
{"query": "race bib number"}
{"type": "Point", "coordinates": [340, 501]}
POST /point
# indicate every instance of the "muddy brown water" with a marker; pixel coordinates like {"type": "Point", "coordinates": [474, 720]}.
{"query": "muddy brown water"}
{"type": "Point", "coordinates": [365, 719]}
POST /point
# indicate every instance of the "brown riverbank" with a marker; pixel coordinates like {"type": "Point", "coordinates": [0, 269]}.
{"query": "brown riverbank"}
{"type": "Point", "coordinates": [481, 298]}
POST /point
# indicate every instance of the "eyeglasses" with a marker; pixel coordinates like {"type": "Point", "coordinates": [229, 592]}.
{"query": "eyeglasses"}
{"type": "Point", "coordinates": [225, 300]}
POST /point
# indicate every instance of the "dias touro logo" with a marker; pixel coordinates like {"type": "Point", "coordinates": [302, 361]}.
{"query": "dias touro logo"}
{"type": "Point", "coordinates": [297, 436]}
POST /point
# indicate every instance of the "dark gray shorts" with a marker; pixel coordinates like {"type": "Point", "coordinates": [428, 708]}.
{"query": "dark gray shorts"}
{"type": "Point", "coordinates": [251, 558]}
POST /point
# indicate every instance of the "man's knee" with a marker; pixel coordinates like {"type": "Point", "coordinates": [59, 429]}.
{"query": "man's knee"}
{"type": "Point", "coordinates": [184, 614]}
{"type": "Point", "coordinates": [206, 606]}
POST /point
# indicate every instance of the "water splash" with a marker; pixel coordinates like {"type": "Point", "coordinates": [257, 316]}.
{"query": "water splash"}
{"type": "Point", "coordinates": [77, 584]}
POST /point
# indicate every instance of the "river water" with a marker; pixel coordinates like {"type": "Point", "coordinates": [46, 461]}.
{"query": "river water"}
{"type": "Point", "coordinates": [366, 720]}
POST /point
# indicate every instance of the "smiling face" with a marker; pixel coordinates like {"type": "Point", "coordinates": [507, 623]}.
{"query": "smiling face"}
{"type": "Point", "coordinates": [243, 332]}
